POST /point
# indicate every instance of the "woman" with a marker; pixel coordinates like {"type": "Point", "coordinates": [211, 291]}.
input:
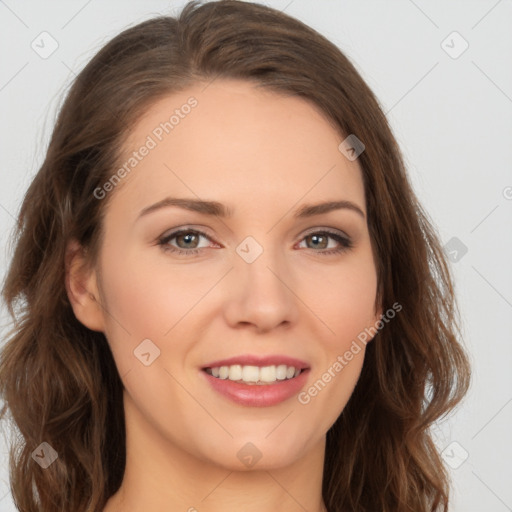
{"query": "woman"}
{"type": "Point", "coordinates": [227, 294]}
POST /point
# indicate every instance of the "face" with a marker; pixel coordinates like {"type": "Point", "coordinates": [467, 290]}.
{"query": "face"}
{"type": "Point", "coordinates": [246, 293]}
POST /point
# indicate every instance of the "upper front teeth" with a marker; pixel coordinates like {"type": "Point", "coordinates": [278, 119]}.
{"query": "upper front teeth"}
{"type": "Point", "coordinates": [254, 373]}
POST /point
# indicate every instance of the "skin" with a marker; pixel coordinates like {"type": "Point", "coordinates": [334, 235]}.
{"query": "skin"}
{"type": "Point", "coordinates": [264, 155]}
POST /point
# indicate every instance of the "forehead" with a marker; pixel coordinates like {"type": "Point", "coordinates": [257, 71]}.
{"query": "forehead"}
{"type": "Point", "coordinates": [237, 144]}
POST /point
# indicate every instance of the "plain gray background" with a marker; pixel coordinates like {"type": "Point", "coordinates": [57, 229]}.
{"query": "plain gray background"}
{"type": "Point", "coordinates": [450, 108]}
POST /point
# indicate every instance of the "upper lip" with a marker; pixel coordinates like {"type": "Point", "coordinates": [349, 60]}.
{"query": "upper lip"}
{"type": "Point", "coordinates": [258, 360]}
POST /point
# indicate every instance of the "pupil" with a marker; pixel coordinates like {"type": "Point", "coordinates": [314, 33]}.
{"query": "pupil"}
{"type": "Point", "coordinates": [188, 237]}
{"type": "Point", "coordinates": [316, 238]}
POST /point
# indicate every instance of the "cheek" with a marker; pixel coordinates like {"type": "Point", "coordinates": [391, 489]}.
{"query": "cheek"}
{"type": "Point", "coordinates": [346, 303]}
{"type": "Point", "coordinates": [135, 304]}
{"type": "Point", "coordinates": [148, 296]}
{"type": "Point", "coordinates": [346, 306]}
{"type": "Point", "coordinates": [145, 297]}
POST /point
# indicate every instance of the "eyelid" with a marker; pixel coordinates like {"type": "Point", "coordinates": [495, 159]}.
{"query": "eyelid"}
{"type": "Point", "coordinates": [173, 231]}
{"type": "Point", "coordinates": [335, 231]}
{"type": "Point", "coordinates": [345, 242]}
{"type": "Point", "coordinates": [203, 231]}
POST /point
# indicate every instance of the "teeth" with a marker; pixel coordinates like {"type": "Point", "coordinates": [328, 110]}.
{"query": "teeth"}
{"type": "Point", "coordinates": [235, 372]}
{"type": "Point", "coordinates": [268, 374]}
{"type": "Point", "coordinates": [281, 372]}
{"type": "Point", "coordinates": [254, 374]}
{"type": "Point", "coordinates": [250, 374]}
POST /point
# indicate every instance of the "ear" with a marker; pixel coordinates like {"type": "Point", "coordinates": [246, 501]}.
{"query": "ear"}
{"type": "Point", "coordinates": [82, 288]}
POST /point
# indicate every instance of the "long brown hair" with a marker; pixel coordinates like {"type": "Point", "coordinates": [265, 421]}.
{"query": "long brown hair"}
{"type": "Point", "coordinates": [59, 380]}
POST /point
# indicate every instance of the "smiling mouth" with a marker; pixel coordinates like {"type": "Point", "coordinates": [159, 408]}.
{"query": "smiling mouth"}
{"type": "Point", "coordinates": [255, 375]}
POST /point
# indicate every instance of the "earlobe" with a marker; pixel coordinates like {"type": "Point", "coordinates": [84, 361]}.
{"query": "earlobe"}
{"type": "Point", "coordinates": [82, 289]}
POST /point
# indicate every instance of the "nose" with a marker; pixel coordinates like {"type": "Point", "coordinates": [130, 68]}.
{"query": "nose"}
{"type": "Point", "coordinates": [261, 294]}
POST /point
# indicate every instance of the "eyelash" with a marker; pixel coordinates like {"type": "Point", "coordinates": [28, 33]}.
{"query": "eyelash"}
{"type": "Point", "coordinates": [346, 243]}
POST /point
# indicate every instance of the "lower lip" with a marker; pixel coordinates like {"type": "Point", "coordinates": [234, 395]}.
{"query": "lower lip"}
{"type": "Point", "coordinates": [258, 395]}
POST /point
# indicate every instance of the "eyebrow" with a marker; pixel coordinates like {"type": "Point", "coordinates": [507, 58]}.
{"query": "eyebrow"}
{"type": "Point", "coordinates": [219, 209]}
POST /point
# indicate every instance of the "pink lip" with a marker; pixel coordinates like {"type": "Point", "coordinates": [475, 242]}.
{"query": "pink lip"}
{"type": "Point", "coordinates": [256, 395]}
{"type": "Point", "coordinates": [254, 360]}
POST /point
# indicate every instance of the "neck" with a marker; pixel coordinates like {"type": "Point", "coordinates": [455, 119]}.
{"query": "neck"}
{"type": "Point", "coordinates": [160, 476]}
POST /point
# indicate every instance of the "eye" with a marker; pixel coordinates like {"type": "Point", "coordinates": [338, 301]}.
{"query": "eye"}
{"type": "Point", "coordinates": [187, 239]}
{"type": "Point", "coordinates": [320, 239]}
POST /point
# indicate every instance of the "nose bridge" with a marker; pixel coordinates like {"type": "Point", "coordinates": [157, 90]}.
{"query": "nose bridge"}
{"type": "Point", "coordinates": [260, 264]}
{"type": "Point", "coordinates": [261, 292]}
